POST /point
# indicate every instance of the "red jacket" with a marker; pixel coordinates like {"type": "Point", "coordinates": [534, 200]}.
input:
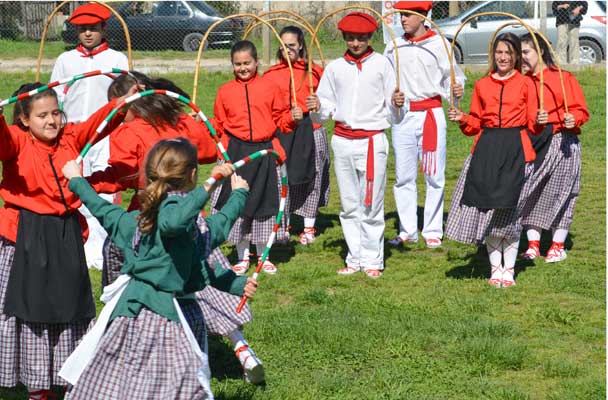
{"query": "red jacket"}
{"type": "Point", "coordinates": [130, 143]}
{"type": "Point", "coordinates": [252, 111]}
{"type": "Point", "coordinates": [28, 181]}
{"type": "Point", "coordinates": [505, 103]}
{"type": "Point", "coordinates": [279, 74]}
{"type": "Point", "coordinates": [554, 99]}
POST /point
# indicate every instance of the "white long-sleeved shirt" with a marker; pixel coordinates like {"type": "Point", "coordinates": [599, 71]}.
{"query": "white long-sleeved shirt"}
{"type": "Point", "coordinates": [360, 99]}
{"type": "Point", "coordinates": [87, 95]}
{"type": "Point", "coordinates": [424, 68]}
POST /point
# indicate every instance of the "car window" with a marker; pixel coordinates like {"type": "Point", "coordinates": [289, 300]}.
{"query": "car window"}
{"type": "Point", "coordinates": [141, 8]}
{"type": "Point", "coordinates": [166, 9]}
{"type": "Point", "coordinates": [522, 9]}
{"type": "Point", "coordinates": [204, 7]}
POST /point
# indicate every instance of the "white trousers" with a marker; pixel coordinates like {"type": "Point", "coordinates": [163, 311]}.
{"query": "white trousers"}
{"type": "Point", "coordinates": [407, 144]}
{"type": "Point", "coordinates": [95, 160]}
{"type": "Point", "coordinates": [363, 227]}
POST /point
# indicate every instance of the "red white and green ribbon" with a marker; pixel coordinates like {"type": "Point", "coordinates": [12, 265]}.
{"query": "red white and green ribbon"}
{"type": "Point", "coordinates": [65, 81]}
{"type": "Point", "coordinates": [145, 93]}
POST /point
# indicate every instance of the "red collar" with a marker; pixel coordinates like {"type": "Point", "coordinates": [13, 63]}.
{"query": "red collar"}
{"type": "Point", "coordinates": [358, 61]}
{"type": "Point", "coordinates": [90, 53]}
{"type": "Point", "coordinates": [429, 33]}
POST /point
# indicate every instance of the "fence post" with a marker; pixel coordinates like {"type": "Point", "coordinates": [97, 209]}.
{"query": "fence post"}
{"type": "Point", "coordinates": [454, 8]}
{"type": "Point", "coordinates": [543, 17]}
{"type": "Point", "coordinates": [266, 38]}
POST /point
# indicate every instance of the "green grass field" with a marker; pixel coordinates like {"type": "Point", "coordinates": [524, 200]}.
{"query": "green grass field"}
{"type": "Point", "coordinates": [431, 327]}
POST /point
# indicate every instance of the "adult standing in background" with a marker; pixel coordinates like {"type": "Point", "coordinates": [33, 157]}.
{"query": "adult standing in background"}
{"type": "Point", "coordinates": [568, 17]}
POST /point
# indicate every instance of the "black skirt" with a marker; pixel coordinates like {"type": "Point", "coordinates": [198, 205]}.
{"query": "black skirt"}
{"type": "Point", "coordinates": [49, 280]}
{"type": "Point", "coordinates": [497, 171]}
{"type": "Point", "coordinates": [299, 146]}
{"type": "Point", "coordinates": [260, 174]}
{"type": "Point", "coordinates": [541, 144]}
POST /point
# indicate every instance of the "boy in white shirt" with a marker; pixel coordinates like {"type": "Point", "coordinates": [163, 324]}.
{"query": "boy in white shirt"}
{"type": "Point", "coordinates": [86, 96]}
{"type": "Point", "coordinates": [359, 92]}
{"type": "Point", "coordinates": [424, 74]}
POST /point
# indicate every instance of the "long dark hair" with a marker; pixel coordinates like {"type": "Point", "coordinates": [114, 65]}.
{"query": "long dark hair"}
{"type": "Point", "coordinates": [23, 107]}
{"type": "Point", "coordinates": [544, 49]}
{"type": "Point", "coordinates": [169, 165]}
{"type": "Point", "coordinates": [303, 54]}
{"type": "Point", "coordinates": [156, 109]}
{"type": "Point", "coordinates": [512, 41]}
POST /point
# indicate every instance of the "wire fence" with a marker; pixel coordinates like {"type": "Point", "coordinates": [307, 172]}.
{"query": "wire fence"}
{"type": "Point", "coordinates": [167, 25]}
{"type": "Point", "coordinates": [179, 26]}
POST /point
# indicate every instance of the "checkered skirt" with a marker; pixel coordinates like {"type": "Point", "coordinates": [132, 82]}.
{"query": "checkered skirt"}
{"type": "Point", "coordinates": [471, 225]}
{"type": "Point", "coordinates": [555, 185]}
{"type": "Point", "coordinates": [256, 230]}
{"type": "Point", "coordinates": [218, 308]}
{"type": "Point", "coordinates": [113, 259]}
{"type": "Point", "coordinates": [147, 357]}
{"type": "Point", "coordinates": [305, 200]}
{"type": "Point", "coordinates": [32, 353]}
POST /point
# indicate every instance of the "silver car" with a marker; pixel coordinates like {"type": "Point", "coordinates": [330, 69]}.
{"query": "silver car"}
{"type": "Point", "coordinates": [473, 40]}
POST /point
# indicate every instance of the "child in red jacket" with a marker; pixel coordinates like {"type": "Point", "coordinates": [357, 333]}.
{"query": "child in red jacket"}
{"type": "Point", "coordinates": [248, 112]}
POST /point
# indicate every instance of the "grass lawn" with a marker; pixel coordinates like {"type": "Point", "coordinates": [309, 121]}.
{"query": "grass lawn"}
{"type": "Point", "coordinates": [431, 327]}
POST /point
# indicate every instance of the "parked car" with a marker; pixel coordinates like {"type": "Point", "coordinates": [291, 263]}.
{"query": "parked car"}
{"type": "Point", "coordinates": [156, 25]}
{"type": "Point", "coordinates": [472, 42]}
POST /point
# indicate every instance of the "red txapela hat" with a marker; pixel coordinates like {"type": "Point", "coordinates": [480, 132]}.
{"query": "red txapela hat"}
{"type": "Point", "coordinates": [419, 6]}
{"type": "Point", "coordinates": [89, 14]}
{"type": "Point", "coordinates": [358, 22]}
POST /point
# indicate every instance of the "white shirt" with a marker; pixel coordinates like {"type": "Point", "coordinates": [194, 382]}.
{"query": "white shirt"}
{"type": "Point", "coordinates": [424, 68]}
{"type": "Point", "coordinates": [360, 99]}
{"type": "Point", "coordinates": [87, 95]}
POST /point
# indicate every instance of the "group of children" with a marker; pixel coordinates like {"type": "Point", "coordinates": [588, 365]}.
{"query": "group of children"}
{"type": "Point", "coordinates": [166, 282]}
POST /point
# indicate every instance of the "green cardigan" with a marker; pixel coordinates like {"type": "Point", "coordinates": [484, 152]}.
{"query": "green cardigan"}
{"type": "Point", "coordinates": [168, 262]}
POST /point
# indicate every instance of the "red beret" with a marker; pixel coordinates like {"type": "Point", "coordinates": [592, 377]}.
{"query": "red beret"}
{"type": "Point", "coordinates": [358, 22]}
{"type": "Point", "coordinates": [418, 6]}
{"type": "Point", "coordinates": [90, 14]}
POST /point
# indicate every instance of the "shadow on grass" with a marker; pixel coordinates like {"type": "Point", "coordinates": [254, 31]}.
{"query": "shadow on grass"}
{"type": "Point", "coordinates": [478, 266]}
{"type": "Point", "coordinates": [419, 215]}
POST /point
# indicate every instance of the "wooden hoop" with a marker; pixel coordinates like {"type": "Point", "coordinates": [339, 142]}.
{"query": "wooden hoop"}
{"type": "Point", "coordinates": [555, 58]}
{"type": "Point", "coordinates": [522, 23]}
{"type": "Point", "coordinates": [56, 10]}
{"type": "Point", "coordinates": [316, 31]}
{"type": "Point", "coordinates": [445, 46]}
{"type": "Point", "coordinates": [204, 40]}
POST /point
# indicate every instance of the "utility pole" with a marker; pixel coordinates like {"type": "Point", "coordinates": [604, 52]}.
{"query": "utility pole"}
{"type": "Point", "coordinates": [454, 8]}
{"type": "Point", "coordinates": [266, 38]}
{"type": "Point", "coordinates": [542, 14]}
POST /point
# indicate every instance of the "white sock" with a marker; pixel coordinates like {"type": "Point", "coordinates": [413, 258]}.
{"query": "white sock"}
{"type": "Point", "coordinates": [533, 233]}
{"type": "Point", "coordinates": [559, 235]}
{"type": "Point", "coordinates": [242, 250]}
{"type": "Point", "coordinates": [509, 251]}
{"type": "Point", "coordinates": [309, 222]}
{"type": "Point", "coordinates": [235, 336]}
{"type": "Point", "coordinates": [260, 248]}
{"type": "Point", "coordinates": [494, 247]}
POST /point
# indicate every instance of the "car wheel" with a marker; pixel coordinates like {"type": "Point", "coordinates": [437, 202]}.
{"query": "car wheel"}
{"type": "Point", "coordinates": [458, 54]}
{"type": "Point", "coordinates": [591, 52]}
{"type": "Point", "coordinates": [192, 41]}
